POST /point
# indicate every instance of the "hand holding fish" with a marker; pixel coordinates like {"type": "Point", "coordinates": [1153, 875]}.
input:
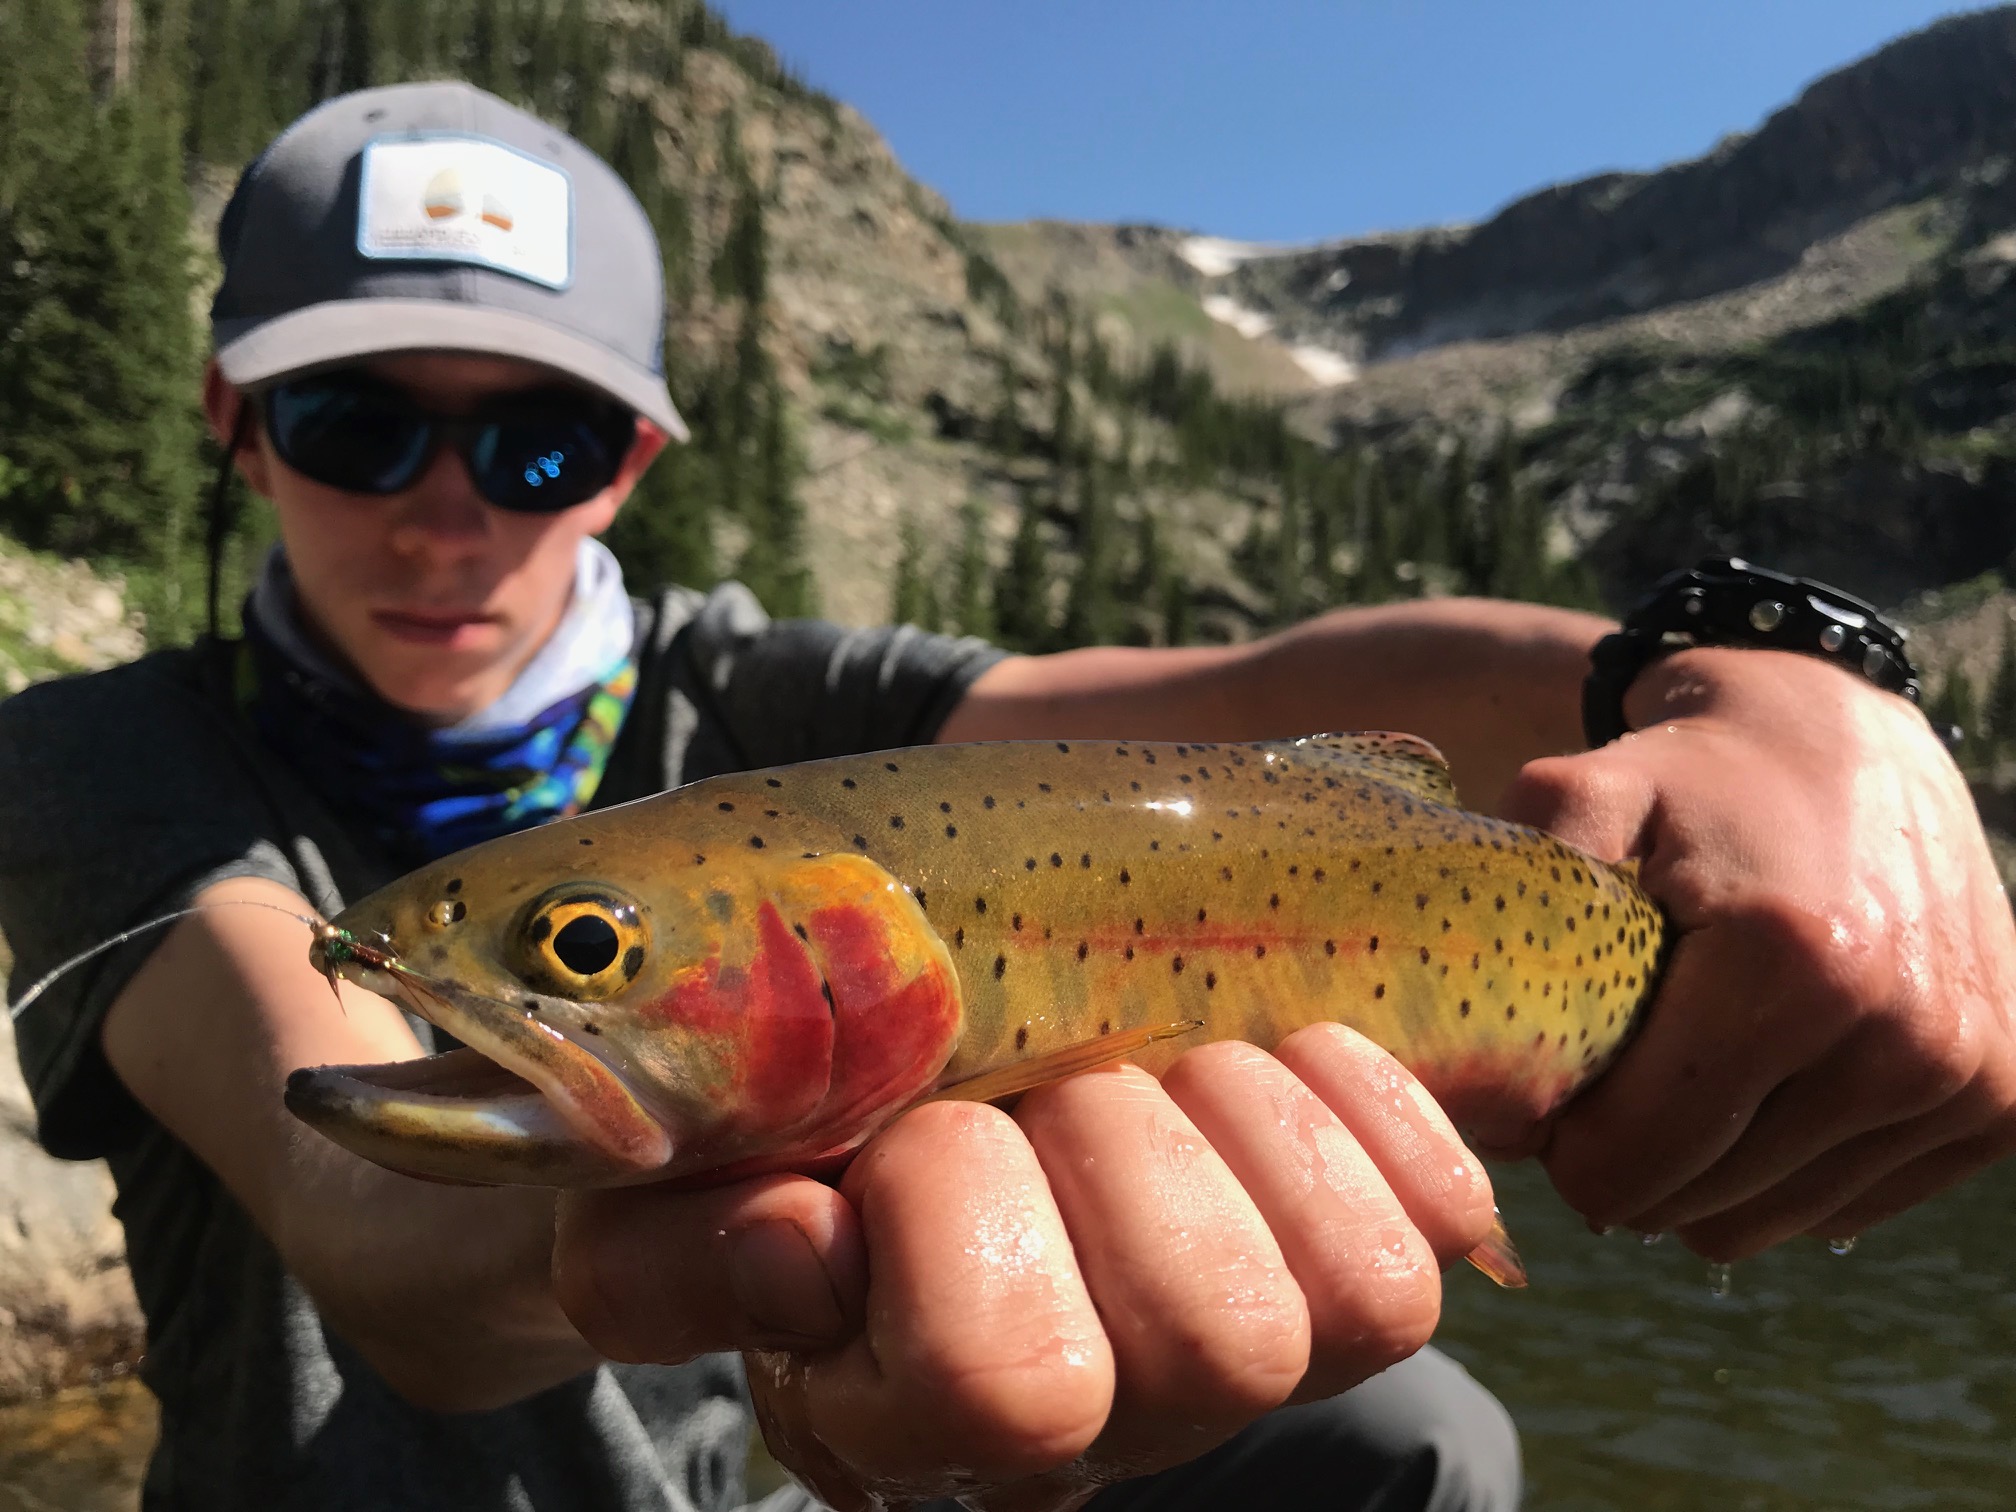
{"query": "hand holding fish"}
{"type": "Point", "coordinates": [1112, 1281]}
{"type": "Point", "coordinates": [1833, 1042]}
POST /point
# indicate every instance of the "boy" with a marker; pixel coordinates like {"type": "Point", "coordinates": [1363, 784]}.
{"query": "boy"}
{"type": "Point", "coordinates": [437, 357]}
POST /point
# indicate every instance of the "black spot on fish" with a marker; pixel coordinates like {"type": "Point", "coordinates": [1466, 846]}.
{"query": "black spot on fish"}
{"type": "Point", "coordinates": [1319, 874]}
{"type": "Point", "coordinates": [959, 937]}
{"type": "Point", "coordinates": [1274, 900]}
{"type": "Point", "coordinates": [586, 841]}
{"type": "Point", "coordinates": [1529, 937]}
{"type": "Point", "coordinates": [1373, 945]}
{"type": "Point", "coordinates": [454, 885]}
{"type": "Point", "coordinates": [1225, 873]}
{"type": "Point", "coordinates": [895, 821]}
{"type": "Point", "coordinates": [726, 808]}
{"type": "Point", "coordinates": [769, 813]}
{"type": "Point", "coordinates": [890, 766]}
{"type": "Point", "coordinates": [1464, 1008]}
{"type": "Point", "coordinates": [1500, 902]}
{"type": "Point", "coordinates": [633, 961]}
{"type": "Point", "coordinates": [592, 1028]}
{"type": "Point", "coordinates": [1029, 864]}
{"type": "Point", "coordinates": [921, 903]}
{"type": "Point", "coordinates": [1420, 902]}
{"type": "Point", "coordinates": [1124, 878]}
{"type": "Point", "coordinates": [847, 782]}
{"type": "Point", "coordinates": [1022, 1038]}
{"type": "Point", "coordinates": [756, 842]}
{"type": "Point", "coordinates": [1000, 967]}
{"type": "Point", "coordinates": [860, 842]}
{"type": "Point", "coordinates": [1379, 990]}
{"type": "Point", "coordinates": [1083, 950]}
{"type": "Point", "coordinates": [1015, 922]}
{"type": "Point", "coordinates": [988, 801]}
{"type": "Point", "coordinates": [1329, 947]}
{"type": "Point", "coordinates": [1055, 859]}
{"type": "Point", "coordinates": [1139, 925]}
{"type": "Point", "coordinates": [1105, 1027]}
{"type": "Point", "coordinates": [1466, 895]}
{"type": "Point", "coordinates": [1042, 787]}
{"type": "Point", "coordinates": [1378, 887]}
{"type": "Point", "coordinates": [772, 782]}
{"type": "Point", "coordinates": [541, 927]}
{"type": "Point", "coordinates": [799, 930]}
{"type": "Point", "coordinates": [951, 832]}
{"type": "Point", "coordinates": [1177, 962]}
{"type": "Point", "coordinates": [1064, 748]}
{"type": "Point", "coordinates": [1130, 952]}
{"type": "Point", "coordinates": [1424, 955]}
{"type": "Point", "coordinates": [980, 905]}
{"type": "Point", "coordinates": [1086, 859]}
{"type": "Point", "coordinates": [1511, 1012]}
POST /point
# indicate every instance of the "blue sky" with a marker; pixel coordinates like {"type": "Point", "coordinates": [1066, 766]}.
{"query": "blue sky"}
{"type": "Point", "coordinates": [1289, 120]}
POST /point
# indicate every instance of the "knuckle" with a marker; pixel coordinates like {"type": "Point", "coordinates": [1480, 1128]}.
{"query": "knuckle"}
{"type": "Point", "coordinates": [1388, 1314]}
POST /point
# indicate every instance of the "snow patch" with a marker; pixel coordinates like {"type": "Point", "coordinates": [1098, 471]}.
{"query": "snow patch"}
{"type": "Point", "coordinates": [1247, 322]}
{"type": "Point", "coordinates": [1215, 256]}
{"type": "Point", "coordinates": [1328, 368]}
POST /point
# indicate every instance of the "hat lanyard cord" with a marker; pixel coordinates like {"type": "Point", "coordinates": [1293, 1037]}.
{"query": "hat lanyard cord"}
{"type": "Point", "coordinates": [220, 516]}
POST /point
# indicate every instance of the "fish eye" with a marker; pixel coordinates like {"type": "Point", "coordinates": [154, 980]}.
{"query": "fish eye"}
{"type": "Point", "coordinates": [582, 942]}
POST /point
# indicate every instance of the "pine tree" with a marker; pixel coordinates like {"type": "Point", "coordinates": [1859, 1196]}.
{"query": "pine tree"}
{"type": "Point", "coordinates": [1092, 612]}
{"type": "Point", "coordinates": [97, 342]}
{"type": "Point", "coordinates": [1022, 593]}
{"type": "Point", "coordinates": [911, 596]}
{"type": "Point", "coordinates": [1376, 581]}
{"type": "Point", "coordinates": [971, 611]}
{"type": "Point", "coordinates": [1288, 571]}
{"type": "Point", "coordinates": [773, 565]}
{"type": "Point", "coordinates": [1954, 704]}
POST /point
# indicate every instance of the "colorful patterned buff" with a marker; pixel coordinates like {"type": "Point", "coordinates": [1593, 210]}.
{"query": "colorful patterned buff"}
{"type": "Point", "coordinates": [420, 792]}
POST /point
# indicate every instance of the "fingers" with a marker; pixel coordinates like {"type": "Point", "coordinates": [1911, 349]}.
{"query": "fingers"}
{"type": "Point", "coordinates": [652, 1274]}
{"type": "Point", "coordinates": [1403, 1131]}
{"type": "Point", "coordinates": [1207, 1325]}
{"type": "Point", "coordinates": [982, 1348]}
{"type": "Point", "coordinates": [1688, 1087]}
{"type": "Point", "coordinates": [1370, 1279]}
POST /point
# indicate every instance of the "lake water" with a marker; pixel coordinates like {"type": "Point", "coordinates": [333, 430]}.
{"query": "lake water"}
{"type": "Point", "coordinates": [1881, 1380]}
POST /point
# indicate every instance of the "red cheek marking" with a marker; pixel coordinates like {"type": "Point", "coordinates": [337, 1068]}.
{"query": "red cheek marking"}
{"type": "Point", "coordinates": [776, 1024]}
{"type": "Point", "coordinates": [895, 1031]}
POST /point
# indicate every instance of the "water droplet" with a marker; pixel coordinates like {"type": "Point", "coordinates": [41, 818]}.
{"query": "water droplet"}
{"type": "Point", "coordinates": [1841, 1246]}
{"type": "Point", "coordinates": [1719, 1279]}
{"type": "Point", "coordinates": [1648, 1240]}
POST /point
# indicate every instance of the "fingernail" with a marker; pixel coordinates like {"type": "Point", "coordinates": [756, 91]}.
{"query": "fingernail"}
{"type": "Point", "coordinates": [783, 1286]}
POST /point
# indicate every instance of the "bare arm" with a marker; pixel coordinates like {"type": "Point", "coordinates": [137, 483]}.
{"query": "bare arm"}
{"type": "Point", "coordinates": [446, 1290]}
{"type": "Point", "coordinates": [1494, 684]}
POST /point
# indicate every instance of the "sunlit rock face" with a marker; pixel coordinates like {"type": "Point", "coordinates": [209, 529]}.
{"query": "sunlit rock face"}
{"type": "Point", "coordinates": [67, 1311]}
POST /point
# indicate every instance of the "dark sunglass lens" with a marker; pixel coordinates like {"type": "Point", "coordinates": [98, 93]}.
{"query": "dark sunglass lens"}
{"type": "Point", "coordinates": [348, 435]}
{"type": "Point", "coordinates": [540, 466]}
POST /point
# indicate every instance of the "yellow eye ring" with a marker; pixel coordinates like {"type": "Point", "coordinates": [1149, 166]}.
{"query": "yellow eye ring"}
{"type": "Point", "coordinates": [583, 941]}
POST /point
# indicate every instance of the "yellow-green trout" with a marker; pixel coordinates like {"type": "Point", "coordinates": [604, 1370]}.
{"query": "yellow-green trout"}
{"type": "Point", "coordinates": [756, 972]}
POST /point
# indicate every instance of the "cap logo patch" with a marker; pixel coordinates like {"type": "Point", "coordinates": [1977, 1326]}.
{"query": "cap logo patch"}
{"type": "Point", "coordinates": [467, 200]}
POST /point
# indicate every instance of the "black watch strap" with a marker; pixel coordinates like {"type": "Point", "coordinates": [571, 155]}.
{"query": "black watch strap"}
{"type": "Point", "coordinates": [1724, 601]}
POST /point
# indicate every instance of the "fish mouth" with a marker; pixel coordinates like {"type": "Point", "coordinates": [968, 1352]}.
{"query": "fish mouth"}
{"type": "Point", "coordinates": [523, 1104]}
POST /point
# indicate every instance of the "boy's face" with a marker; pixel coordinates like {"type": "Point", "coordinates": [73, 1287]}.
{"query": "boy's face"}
{"type": "Point", "coordinates": [435, 597]}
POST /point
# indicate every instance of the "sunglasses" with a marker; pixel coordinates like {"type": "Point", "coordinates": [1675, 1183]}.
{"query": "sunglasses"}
{"type": "Point", "coordinates": [536, 452]}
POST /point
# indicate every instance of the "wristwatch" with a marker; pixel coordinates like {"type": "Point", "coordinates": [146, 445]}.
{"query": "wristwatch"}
{"type": "Point", "coordinates": [1725, 601]}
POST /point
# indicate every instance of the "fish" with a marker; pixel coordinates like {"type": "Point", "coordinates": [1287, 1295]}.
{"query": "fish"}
{"type": "Point", "coordinates": [756, 972]}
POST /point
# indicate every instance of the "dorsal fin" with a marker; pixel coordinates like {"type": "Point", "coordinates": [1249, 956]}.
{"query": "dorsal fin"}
{"type": "Point", "coordinates": [1404, 761]}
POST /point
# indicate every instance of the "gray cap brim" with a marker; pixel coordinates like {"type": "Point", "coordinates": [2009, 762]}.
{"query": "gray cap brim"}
{"type": "Point", "coordinates": [325, 335]}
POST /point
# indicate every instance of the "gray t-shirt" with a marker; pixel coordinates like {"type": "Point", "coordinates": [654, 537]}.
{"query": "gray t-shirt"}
{"type": "Point", "coordinates": [125, 793]}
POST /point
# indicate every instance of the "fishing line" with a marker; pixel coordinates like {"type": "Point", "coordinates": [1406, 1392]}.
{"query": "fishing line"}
{"type": "Point", "coordinates": [22, 1003]}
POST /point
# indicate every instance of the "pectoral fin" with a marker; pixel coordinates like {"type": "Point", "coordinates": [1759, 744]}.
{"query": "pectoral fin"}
{"type": "Point", "coordinates": [1055, 1065]}
{"type": "Point", "coordinates": [1498, 1257]}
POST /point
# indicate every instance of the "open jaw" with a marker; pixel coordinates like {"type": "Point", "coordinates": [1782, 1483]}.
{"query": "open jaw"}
{"type": "Point", "coordinates": [522, 1105]}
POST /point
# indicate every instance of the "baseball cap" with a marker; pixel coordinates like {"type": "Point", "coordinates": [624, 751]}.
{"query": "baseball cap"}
{"type": "Point", "coordinates": [436, 217]}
